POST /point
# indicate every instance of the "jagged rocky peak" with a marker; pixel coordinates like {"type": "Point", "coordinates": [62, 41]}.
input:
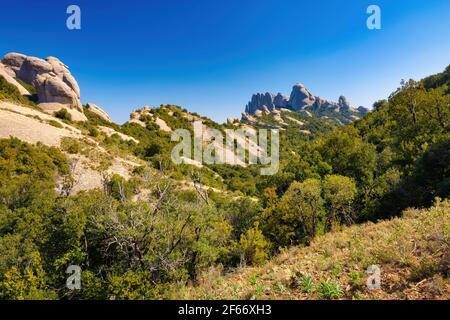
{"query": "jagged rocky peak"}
{"type": "Point", "coordinates": [300, 99]}
{"type": "Point", "coordinates": [55, 86]}
{"type": "Point", "coordinates": [259, 101]}
{"type": "Point", "coordinates": [280, 101]}
{"type": "Point", "coordinates": [266, 102]}
{"type": "Point", "coordinates": [343, 103]}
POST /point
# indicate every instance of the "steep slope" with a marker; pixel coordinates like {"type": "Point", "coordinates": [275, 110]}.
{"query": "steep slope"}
{"type": "Point", "coordinates": [413, 253]}
{"type": "Point", "coordinates": [89, 157]}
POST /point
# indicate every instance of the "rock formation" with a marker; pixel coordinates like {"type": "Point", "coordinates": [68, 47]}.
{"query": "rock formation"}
{"type": "Point", "coordinates": [231, 120]}
{"type": "Point", "coordinates": [299, 100]}
{"type": "Point", "coordinates": [259, 101]}
{"type": "Point", "coordinates": [362, 110]}
{"type": "Point", "coordinates": [266, 102]}
{"type": "Point", "coordinates": [98, 111]}
{"type": "Point", "coordinates": [55, 86]}
{"type": "Point", "coordinates": [280, 101]}
{"type": "Point", "coordinates": [137, 115]}
{"type": "Point", "coordinates": [343, 103]}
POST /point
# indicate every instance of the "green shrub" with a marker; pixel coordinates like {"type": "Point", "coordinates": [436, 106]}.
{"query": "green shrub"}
{"type": "Point", "coordinates": [298, 216]}
{"type": "Point", "coordinates": [93, 132]}
{"type": "Point", "coordinates": [329, 289]}
{"type": "Point", "coordinates": [253, 246]}
{"type": "Point", "coordinates": [306, 284]}
{"type": "Point", "coordinates": [119, 188]}
{"type": "Point", "coordinates": [32, 90]}
{"type": "Point", "coordinates": [55, 124]}
{"type": "Point", "coordinates": [63, 114]}
{"type": "Point", "coordinates": [70, 145]}
{"type": "Point", "coordinates": [11, 93]}
{"type": "Point", "coordinates": [357, 279]}
{"type": "Point", "coordinates": [339, 194]}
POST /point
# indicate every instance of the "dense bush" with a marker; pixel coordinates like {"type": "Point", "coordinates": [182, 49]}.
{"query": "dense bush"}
{"type": "Point", "coordinates": [70, 145]}
{"type": "Point", "coordinates": [27, 194]}
{"type": "Point", "coordinates": [63, 114]}
{"type": "Point", "coordinates": [126, 249]}
{"type": "Point", "coordinates": [11, 93]}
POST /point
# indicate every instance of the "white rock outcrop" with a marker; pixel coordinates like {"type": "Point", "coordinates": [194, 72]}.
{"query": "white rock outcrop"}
{"type": "Point", "coordinates": [98, 111]}
{"type": "Point", "coordinates": [55, 85]}
{"type": "Point", "coordinates": [300, 100]}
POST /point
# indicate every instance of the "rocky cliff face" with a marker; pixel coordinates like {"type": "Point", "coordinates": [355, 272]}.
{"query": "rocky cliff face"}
{"type": "Point", "coordinates": [56, 88]}
{"type": "Point", "coordinates": [268, 101]}
{"type": "Point", "coordinates": [298, 111]}
{"type": "Point", "coordinates": [300, 99]}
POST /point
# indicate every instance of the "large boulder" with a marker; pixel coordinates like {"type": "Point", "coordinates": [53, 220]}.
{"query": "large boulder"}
{"type": "Point", "coordinates": [232, 120]}
{"type": "Point", "coordinates": [33, 67]}
{"type": "Point", "coordinates": [98, 111]}
{"type": "Point", "coordinates": [136, 115]}
{"type": "Point", "coordinates": [300, 97]}
{"type": "Point", "coordinates": [52, 89]}
{"type": "Point", "coordinates": [55, 85]}
{"type": "Point", "coordinates": [62, 71]}
{"type": "Point", "coordinates": [362, 110]}
{"type": "Point", "coordinates": [14, 60]}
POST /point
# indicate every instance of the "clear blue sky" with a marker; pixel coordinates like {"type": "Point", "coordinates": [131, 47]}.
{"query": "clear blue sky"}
{"type": "Point", "coordinates": [211, 55]}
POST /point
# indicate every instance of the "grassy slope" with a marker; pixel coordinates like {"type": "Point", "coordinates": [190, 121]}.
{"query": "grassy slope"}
{"type": "Point", "coordinates": [413, 253]}
{"type": "Point", "coordinates": [11, 93]}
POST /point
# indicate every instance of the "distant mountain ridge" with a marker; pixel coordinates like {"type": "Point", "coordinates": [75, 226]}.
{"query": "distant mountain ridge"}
{"type": "Point", "coordinates": [301, 99]}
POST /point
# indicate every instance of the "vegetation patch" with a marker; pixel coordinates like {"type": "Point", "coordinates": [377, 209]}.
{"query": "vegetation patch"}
{"type": "Point", "coordinates": [11, 93]}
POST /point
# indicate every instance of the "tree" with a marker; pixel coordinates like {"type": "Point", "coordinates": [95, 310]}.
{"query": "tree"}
{"type": "Point", "coordinates": [431, 176]}
{"type": "Point", "coordinates": [339, 193]}
{"type": "Point", "coordinates": [298, 216]}
{"type": "Point", "coordinates": [240, 213]}
{"type": "Point", "coordinates": [252, 246]}
{"type": "Point", "coordinates": [349, 155]}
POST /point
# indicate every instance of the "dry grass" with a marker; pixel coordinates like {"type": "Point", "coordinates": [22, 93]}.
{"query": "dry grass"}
{"type": "Point", "coordinates": [413, 253]}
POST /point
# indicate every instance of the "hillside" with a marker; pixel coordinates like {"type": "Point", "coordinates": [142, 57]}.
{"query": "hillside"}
{"type": "Point", "coordinates": [109, 198]}
{"type": "Point", "coordinates": [413, 253]}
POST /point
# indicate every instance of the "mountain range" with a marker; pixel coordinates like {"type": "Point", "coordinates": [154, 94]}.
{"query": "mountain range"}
{"type": "Point", "coordinates": [78, 189]}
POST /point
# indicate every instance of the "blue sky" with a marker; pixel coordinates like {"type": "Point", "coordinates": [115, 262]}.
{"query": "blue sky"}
{"type": "Point", "coordinates": [210, 56]}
